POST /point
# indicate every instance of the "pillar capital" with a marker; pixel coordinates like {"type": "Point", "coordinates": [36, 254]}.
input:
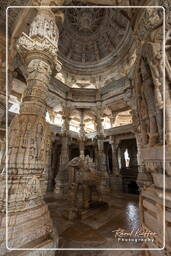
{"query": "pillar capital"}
{"type": "Point", "coordinates": [42, 42]}
{"type": "Point", "coordinates": [38, 51]}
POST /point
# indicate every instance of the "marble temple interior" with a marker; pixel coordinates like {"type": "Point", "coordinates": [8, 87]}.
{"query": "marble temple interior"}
{"type": "Point", "coordinates": [85, 127]}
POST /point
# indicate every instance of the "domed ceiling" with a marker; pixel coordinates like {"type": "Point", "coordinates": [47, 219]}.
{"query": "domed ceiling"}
{"type": "Point", "coordinates": [91, 39]}
{"type": "Point", "coordinates": [95, 44]}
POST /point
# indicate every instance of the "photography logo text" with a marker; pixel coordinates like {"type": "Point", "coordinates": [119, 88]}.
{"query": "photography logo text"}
{"type": "Point", "coordinates": [141, 234]}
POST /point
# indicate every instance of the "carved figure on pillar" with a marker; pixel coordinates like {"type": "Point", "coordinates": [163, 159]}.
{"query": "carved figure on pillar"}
{"type": "Point", "coordinates": [153, 53]}
{"type": "Point", "coordinates": [148, 97]}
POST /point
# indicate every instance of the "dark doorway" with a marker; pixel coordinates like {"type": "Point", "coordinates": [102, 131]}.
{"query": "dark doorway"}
{"type": "Point", "coordinates": [129, 165]}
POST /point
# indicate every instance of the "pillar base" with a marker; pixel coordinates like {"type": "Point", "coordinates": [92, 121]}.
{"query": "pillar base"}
{"type": "Point", "coordinates": [28, 229]}
{"type": "Point", "coordinates": [43, 242]}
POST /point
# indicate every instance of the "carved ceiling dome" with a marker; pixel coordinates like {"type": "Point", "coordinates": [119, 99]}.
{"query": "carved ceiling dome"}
{"type": "Point", "coordinates": [91, 36]}
{"type": "Point", "coordinates": [85, 20]}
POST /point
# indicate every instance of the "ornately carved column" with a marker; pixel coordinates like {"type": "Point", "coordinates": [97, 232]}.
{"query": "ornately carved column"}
{"type": "Point", "coordinates": [168, 89]}
{"type": "Point", "coordinates": [64, 151]}
{"type": "Point", "coordinates": [115, 178]}
{"type": "Point", "coordinates": [2, 96]}
{"type": "Point", "coordinates": [82, 135]}
{"type": "Point", "coordinates": [115, 164]}
{"type": "Point", "coordinates": [143, 178]}
{"type": "Point", "coordinates": [65, 136]}
{"type": "Point", "coordinates": [101, 154]}
{"type": "Point", "coordinates": [30, 139]}
{"type": "Point", "coordinates": [100, 137]}
{"type": "Point", "coordinates": [61, 178]}
{"type": "Point", "coordinates": [153, 52]}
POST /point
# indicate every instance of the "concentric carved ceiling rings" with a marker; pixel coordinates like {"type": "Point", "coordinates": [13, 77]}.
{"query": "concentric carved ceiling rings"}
{"type": "Point", "coordinates": [91, 36]}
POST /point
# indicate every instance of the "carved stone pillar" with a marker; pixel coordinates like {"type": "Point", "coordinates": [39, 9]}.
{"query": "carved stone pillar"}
{"type": "Point", "coordinates": [81, 147]}
{"type": "Point", "coordinates": [101, 163]}
{"type": "Point", "coordinates": [101, 155]}
{"type": "Point", "coordinates": [143, 178]}
{"type": "Point", "coordinates": [140, 177]}
{"type": "Point", "coordinates": [65, 136]}
{"type": "Point", "coordinates": [82, 135]}
{"type": "Point", "coordinates": [153, 52]}
{"type": "Point", "coordinates": [115, 164]}
{"type": "Point", "coordinates": [100, 138]}
{"type": "Point", "coordinates": [147, 92]}
{"type": "Point", "coordinates": [30, 140]}
{"type": "Point", "coordinates": [168, 89]}
{"type": "Point", "coordinates": [2, 82]}
{"type": "Point", "coordinates": [64, 157]}
{"type": "Point", "coordinates": [62, 178]}
{"type": "Point", "coordinates": [2, 149]}
{"type": "Point", "coordinates": [2, 64]}
{"type": "Point", "coordinates": [122, 155]}
{"type": "Point", "coordinates": [115, 178]}
{"type": "Point", "coordinates": [132, 151]}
